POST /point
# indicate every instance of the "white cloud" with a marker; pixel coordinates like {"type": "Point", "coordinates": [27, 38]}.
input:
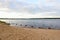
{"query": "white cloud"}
{"type": "Point", "coordinates": [26, 9]}
{"type": "Point", "coordinates": [7, 14]}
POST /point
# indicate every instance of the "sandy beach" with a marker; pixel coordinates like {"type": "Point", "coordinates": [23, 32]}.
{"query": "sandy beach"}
{"type": "Point", "coordinates": [16, 33]}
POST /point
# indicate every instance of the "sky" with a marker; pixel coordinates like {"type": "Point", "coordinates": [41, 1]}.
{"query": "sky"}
{"type": "Point", "coordinates": [29, 8]}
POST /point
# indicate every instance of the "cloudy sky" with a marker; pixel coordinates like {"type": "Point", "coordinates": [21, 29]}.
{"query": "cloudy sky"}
{"type": "Point", "coordinates": [29, 8]}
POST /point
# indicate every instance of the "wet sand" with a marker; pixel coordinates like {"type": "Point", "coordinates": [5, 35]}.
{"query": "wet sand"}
{"type": "Point", "coordinates": [17, 33]}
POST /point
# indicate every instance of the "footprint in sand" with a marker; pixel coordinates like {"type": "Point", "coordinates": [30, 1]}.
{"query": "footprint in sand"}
{"type": "Point", "coordinates": [0, 39]}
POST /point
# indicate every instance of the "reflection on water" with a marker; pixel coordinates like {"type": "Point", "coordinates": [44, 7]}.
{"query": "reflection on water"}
{"type": "Point", "coordinates": [53, 23]}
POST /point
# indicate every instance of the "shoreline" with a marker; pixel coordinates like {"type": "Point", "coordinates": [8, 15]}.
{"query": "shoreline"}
{"type": "Point", "coordinates": [16, 33]}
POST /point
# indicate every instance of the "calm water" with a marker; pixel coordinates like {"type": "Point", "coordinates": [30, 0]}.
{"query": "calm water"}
{"type": "Point", "coordinates": [53, 23]}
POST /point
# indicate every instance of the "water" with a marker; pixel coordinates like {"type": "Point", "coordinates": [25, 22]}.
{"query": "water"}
{"type": "Point", "coordinates": [53, 23]}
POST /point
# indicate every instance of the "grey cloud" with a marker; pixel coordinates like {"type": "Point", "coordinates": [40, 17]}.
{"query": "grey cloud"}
{"type": "Point", "coordinates": [52, 6]}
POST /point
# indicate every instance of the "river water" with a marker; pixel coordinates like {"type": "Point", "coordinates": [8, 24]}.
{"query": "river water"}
{"type": "Point", "coordinates": [53, 23]}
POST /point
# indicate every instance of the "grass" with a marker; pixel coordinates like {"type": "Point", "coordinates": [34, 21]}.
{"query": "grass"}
{"type": "Point", "coordinates": [2, 22]}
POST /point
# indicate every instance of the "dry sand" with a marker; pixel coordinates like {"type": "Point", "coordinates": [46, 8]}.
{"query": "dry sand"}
{"type": "Point", "coordinates": [14, 33]}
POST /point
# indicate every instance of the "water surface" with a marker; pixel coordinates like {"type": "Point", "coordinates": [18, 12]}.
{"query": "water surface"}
{"type": "Point", "coordinates": [53, 23]}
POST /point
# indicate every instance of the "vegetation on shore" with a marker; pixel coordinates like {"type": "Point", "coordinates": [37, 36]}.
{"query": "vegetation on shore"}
{"type": "Point", "coordinates": [2, 22]}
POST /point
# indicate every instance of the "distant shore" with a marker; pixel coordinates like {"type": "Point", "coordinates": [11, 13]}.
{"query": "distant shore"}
{"type": "Point", "coordinates": [25, 18]}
